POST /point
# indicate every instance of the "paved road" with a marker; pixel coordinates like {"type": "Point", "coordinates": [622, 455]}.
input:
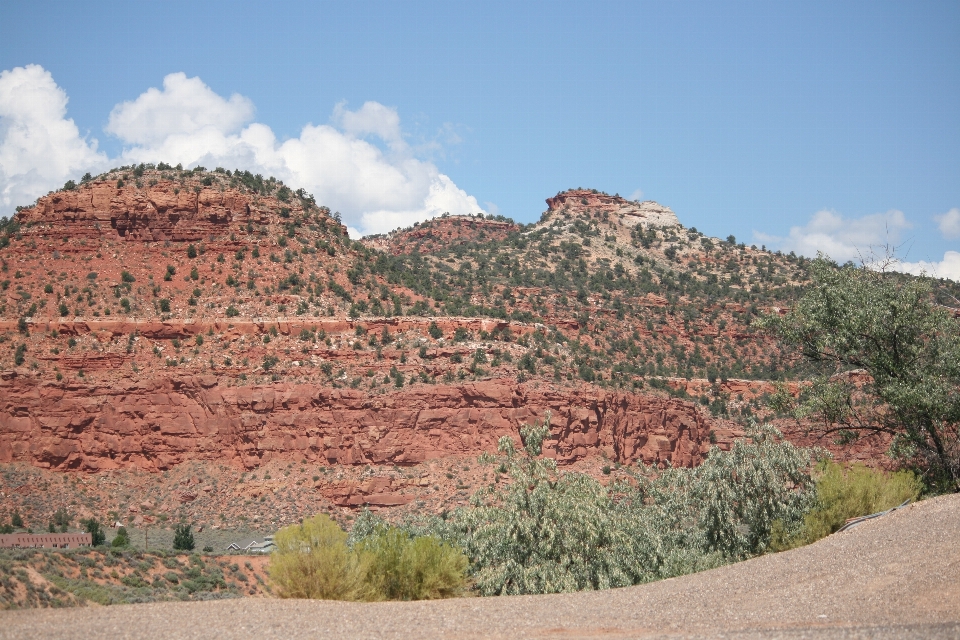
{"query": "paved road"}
{"type": "Point", "coordinates": [893, 577]}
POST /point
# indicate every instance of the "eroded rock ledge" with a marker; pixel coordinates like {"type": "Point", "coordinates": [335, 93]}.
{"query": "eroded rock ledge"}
{"type": "Point", "coordinates": [156, 424]}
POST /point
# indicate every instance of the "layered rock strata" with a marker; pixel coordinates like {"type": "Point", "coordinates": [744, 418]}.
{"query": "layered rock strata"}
{"type": "Point", "coordinates": [646, 213]}
{"type": "Point", "coordinates": [160, 423]}
{"type": "Point", "coordinates": [166, 210]}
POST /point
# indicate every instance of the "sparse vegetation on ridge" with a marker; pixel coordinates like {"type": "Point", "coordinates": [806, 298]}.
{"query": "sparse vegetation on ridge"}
{"type": "Point", "coordinates": [77, 577]}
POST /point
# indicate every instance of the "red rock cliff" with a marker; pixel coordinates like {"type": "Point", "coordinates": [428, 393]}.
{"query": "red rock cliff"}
{"type": "Point", "coordinates": [160, 423]}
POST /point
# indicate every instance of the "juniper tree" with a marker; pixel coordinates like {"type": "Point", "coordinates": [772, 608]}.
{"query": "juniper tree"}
{"type": "Point", "coordinates": [122, 539]}
{"type": "Point", "coordinates": [183, 538]}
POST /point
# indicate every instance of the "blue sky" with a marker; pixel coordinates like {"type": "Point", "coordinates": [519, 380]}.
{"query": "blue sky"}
{"type": "Point", "coordinates": [799, 125]}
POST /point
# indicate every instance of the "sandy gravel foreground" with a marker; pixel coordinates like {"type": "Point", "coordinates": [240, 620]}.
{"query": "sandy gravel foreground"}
{"type": "Point", "coordinates": [894, 577]}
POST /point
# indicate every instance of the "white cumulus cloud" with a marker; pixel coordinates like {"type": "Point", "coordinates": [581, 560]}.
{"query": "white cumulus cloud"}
{"type": "Point", "coordinates": [842, 238]}
{"type": "Point", "coordinates": [372, 118]}
{"type": "Point", "coordinates": [949, 267]}
{"type": "Point", "coordinates": [185, 106]}
{"type": "Point", "coordinates": [949, 224]}
{"type": "Point", "coordinates": [358, 164]}
{"type": "Point", "coordinates": [376, 190]}
{"type": "Point", "coordinates": [40, 149]}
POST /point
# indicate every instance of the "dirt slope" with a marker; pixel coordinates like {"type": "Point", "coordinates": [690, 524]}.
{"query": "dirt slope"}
{"type": "Point", "coordinates": [894, 577]}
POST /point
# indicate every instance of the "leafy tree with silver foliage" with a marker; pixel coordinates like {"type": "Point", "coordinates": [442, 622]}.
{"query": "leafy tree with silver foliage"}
{"type": "Point", "coordinates": [548, 532]}
{"type": "Point", "coordinates": [888, 324]}
{"type": "Point", "coordinates": [545, 532]}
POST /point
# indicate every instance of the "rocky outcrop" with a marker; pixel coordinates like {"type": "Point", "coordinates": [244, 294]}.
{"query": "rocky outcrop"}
{"type": "Point", "coordinates": [374, 492]}
{"type": "Point", "coordinates": [160, 212]}
{"type": "Point", "coordinates": [443, 232]}
{"type": "Point", "coordinates": [630, 213]}
{"type": "Point", "coordinates": [164, 210]}
{"type": "Point", "coordinates": [157, 424]}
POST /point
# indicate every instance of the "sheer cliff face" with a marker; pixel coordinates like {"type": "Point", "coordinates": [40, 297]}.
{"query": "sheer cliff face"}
{"type": "Point", "coordinates": [163, 211]}
{"type": "Point", "coordinates": [155, 425]}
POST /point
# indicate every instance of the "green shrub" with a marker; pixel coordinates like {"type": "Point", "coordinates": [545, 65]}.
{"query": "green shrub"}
{"type": "Point", "coordinates": [122, 539]}
{"type": "Point", "coordinates": [314, 560]}
{"type": "Point", "coordinates": [844, 493]}
{"type": "Point", "coordinates": [548, 532]}
{"type": "Point", "coordinates": [405, 567]}
{"type": "Point", "coordinates": [134, 581]}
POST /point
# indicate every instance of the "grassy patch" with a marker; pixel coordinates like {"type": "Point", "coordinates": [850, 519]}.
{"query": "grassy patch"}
{"type": "Point", "coordinates": [844, 493]}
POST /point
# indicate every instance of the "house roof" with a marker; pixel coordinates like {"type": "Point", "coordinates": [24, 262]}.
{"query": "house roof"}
{"type": "Point", "coordinates": [243, 544]}
{"type": "Point", "coordinates": [257, 545]}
